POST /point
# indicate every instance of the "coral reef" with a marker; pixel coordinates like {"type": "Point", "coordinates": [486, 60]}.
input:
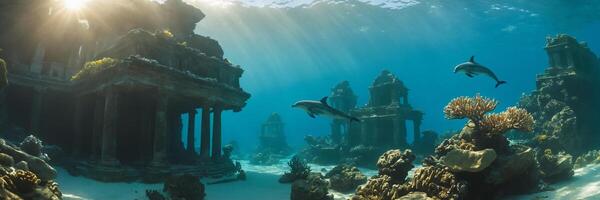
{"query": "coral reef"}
{"type": "Point", "coordinates": [591, 157]}
{"type": "Point", "coordinates": [314, 187]}
{"type": "Point", "coordinates": [345, 178]}
{"type": "Point", "coordinates": [396, 164]}
{"type": "Point", "coordinates": [298, 170]}
{"type": "Point", "coordinates": [439, 183]}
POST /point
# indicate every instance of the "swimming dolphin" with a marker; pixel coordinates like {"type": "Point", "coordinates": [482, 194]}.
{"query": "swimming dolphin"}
{"type": "Point", "coordinates": [314, 108]}
{"type": "Point", "coordinates": [472, 68]}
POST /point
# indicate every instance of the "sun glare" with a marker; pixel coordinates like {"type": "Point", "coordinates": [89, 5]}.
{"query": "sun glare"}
{"type": "Point", "coordinates": [74, 4]}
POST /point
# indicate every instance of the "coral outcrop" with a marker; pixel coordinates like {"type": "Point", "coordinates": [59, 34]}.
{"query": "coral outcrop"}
{"type": "Point", "coordinates": [390, 182]}
{"type": "Point", "coordinates": [470, 161]}
{"type": "Point", "coordinates": [396, 164]}
{"type": "Point", "coordinates": [30, 178]}
{"type": "Point", "coordinates": [313, 187]}
{"type": "Point", "coordinates": [555, 167]}
{"type": "Point", "coordinates": [345, 178]}
{"type": "Point", "coordinates": [299, 169]}
{"type": "Point", "coordinates": [439, 183]}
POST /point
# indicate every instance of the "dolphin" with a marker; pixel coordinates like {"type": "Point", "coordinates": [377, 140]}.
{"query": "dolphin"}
{"type": "Point", "coordinates": [314, 108]}
{"type": "Point", "coordinates": [472, 68]}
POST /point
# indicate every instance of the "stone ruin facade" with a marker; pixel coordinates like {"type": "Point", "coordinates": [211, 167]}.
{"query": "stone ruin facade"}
{"type": "Point", "coordinates": [382, 126]}
{"type": "Point", "coordinates": [119, 116]}
{"type": "Point", "coordinates": [384, 118]}
{"type": "Point", "coordinates": [566, 102]}
{"type": "Point", "coordinates": [272, 143]}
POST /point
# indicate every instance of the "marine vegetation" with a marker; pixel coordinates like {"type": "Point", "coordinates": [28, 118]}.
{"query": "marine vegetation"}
{"type": "Point", "coordinates": [93, 67]}
{"type": "Point", "coordinates": [299, 169]}
{"type": "Point", "coordinates": [345, 178]}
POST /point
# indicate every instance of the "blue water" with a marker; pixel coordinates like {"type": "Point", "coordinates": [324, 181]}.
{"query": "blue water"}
{"type": "Point", "coordinates": [295, 53]}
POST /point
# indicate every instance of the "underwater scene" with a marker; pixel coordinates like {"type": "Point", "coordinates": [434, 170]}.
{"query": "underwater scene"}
{"type": "Point", "coordinates": [299, 99]}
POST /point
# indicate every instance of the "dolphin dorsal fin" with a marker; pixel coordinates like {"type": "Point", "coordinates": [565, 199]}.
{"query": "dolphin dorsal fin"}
{"type": "Point", "coordinates": [472, 59]}
{"type": "Point", "coordinates": [324, 100]}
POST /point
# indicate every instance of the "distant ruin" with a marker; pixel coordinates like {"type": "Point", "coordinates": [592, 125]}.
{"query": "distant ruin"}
{"type": "Point", "coordinates": [112, 96]}
{"type": "Point", "coordinates": [272, 143]}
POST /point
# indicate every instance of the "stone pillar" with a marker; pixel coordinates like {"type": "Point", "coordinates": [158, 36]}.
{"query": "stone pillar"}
{"type": "Point", "coordinates": [374, 136]}
{"type": "Point", "coordinates": [399, 132]}
{"type": "Point", "coordinates": [336, 131]}
{"type": "Point", "coordinates": [570, 60]}
{"type": "Point", "coordinates": [36, 110]}
{"type": "Point", "coordinates": [37, 61]}
{"type": "Point", "coordinates": [417, 130]}
{"type": "Point", "coordinates": [190, 132]}
{"type": "Point", "coordinates": [78, 126]}
{"type": "Point", "coordinates": [205, 133]}
{"type": "Point", "coordinates": [159, 148]}
{"type": "Point", "coordinates": [109, 128]}
{"type": "Point", "coordinates": [364, 131]}
{"type": "Point", "coordinates": [216, 139]}
{"type": "Point", "coordinates": [405, 99]}
{"type": "Point", "coordinates": [97, 127]}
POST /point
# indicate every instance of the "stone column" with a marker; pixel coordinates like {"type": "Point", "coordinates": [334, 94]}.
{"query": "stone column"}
{"type": "Point", "coordinates": [190, 132]}
{"type": "Point", "coordinates": [159, 149]}
{"type": "Point", "coordinates": [396, 132]}
{"type": "Point", "coordinates": [216, 139]}
{"type": "Point", "coordinates": [417, 130]}
{"type": "Point", "coordinates": [405, 99]}
{"type": "Point", "coordinates": [97, 127]}
{"type": "Point", "coordinates": [364, 131]}
{"type": "Point", "coordinates": [36, 110]}
{"type": "Point", "coordinates": [78, 126]}
{"type": "Point", "coordinates": [205, 133]}
{"type": "Point", "coordinates": [37, 61]}
{"type": "Point", "coordinates": [336, 131]}
{"type": "Point", "coordinates": [109, 128]}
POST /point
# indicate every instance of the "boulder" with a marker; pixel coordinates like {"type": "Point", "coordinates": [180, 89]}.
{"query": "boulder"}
{"type": "Point", "coordinates": [511, 166]}
{"type": "Point", "coordinates": [459, 160]}
{"type": "Point", "coordinates": [591, 157]}
{"type": "Point", "coordinates": [555, 167]}
{"type": "Point", "coordinates": [345, 178]}
{"type": "Point", "coordinates": [184, 187]}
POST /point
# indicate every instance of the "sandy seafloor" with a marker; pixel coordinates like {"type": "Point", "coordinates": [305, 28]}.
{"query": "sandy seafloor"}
{"type": "Point", "coordinates": [262, 184]}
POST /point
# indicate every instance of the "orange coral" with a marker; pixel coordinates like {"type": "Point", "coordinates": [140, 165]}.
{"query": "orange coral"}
{"type": "Point", "coordinates": [471, 108]}
{"type": "Point", "coordinates": [475, 109]}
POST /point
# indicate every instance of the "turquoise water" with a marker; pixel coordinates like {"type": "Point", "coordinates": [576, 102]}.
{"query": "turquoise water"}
{"type": "Point", "coordinates": [297, 50]}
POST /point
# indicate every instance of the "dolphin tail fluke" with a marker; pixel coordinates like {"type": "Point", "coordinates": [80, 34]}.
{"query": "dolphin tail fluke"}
{"type": "Point", "coordinates": [500, 83]}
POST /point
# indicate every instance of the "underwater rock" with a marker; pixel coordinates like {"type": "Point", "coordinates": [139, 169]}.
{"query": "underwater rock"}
{"type": "Point", "coordinates": [264, 159]}
{"type": "Point", "coordinates": [42, 169]}
{"type": "Point", "coordinates": [298, 170]}
{"type": "Point", "coordinates": [314, 187]}
{"type": "Point", "coordinates": [32, 146]}
{"type": "Point", "coordinates": [396, 164]}
{"type": "Point", "coordinates": [155, 195]}
{"type": "Point", "coordinates": [591, 157]}
{"type": "Point", "coordinates": [184, 187]}
{"type": "Point", "coordinates": [6, 160]}
{"type": "Point", "coordinates": [511, 166]}
{"type": "Point", "coordinates": [345, 178]}
{"type": "Point", "coordinates": [555, 167]}
{"type": "Point", "coordinates": [22, 166]}
{"type": "Point", "coordinates": [381, 187]}
{"type": "Point", "coordinates": [470, 161]}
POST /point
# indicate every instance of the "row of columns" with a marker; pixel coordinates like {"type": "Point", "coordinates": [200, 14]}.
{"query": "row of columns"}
{"type": "Point", "coordinates": [104, 138]}
{"type": "Point", "coordinates": [205, 140]}
{"type": "Point", "coordinates": [370, 133]}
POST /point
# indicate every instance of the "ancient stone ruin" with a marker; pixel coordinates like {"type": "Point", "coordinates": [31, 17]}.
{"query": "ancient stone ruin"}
{"type": "Point", "coordinates": [566, 103]}
{"type": "Point", "coordinates": [112, 96]}
{"type": "Point", "coordinates": [382, 126]}
{"type": "Point", "coordinates": [272, 146]}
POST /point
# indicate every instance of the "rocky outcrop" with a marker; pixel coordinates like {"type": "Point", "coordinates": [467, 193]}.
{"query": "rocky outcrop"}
{"type": "Point", "coordinates": [396, 164]}
{"type": "Point", "coordinates": [555, 167]}
{"type": "Point", "coordinates": [345, 178]}
{"type": "Point", "coordinates": [184, 187]}
{"type": "Point", "coordinates": [314, 187]}
{"type": "Point", "coordinates": [460, 160]}
{"type": "Point", "coordinates": [591, 157]}
{"type": "Point", "coordinates": [42, 169]}
{"type": "Point", "coordinates": [511, 166]}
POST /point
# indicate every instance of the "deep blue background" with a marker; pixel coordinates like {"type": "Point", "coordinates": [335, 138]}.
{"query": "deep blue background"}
{"type": "Point", "coordinates": [290, 54]}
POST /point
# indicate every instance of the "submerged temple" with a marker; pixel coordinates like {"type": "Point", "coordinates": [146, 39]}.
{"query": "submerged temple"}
{"type": "Point", "coordinates": [113, 94]}
{"type": "Point", "coordinates": [383, 119]}
{"type": "Point", "coordinates": [566, 102]}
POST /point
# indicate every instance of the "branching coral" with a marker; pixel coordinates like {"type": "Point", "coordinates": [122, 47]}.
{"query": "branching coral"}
{"type": "Point", "coordinates": [475, 110]}
{"type": "Point", "coordinates": [298, 170]}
